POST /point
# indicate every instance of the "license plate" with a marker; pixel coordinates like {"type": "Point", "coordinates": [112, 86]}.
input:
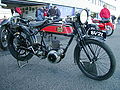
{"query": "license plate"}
{"type": "Point", "coordinates": [97, 33]}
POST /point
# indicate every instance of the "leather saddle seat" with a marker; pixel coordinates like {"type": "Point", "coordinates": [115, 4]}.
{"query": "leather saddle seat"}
{"type": "Point", "coordinates": [106, 21]}
{"type": "Point", "coordinates": [37, 23]}
{"type": "Point", "coordinates": [41, 23]}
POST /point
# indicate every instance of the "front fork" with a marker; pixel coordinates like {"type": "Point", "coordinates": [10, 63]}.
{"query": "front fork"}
{"type": "Point", "coordinates": [81, 41]}
{"type": "Point", "coordinates": [88, 50]}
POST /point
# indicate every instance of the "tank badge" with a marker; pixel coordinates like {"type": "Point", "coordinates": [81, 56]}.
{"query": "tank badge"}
{"type": "Point", "coordinates": [59, 29]}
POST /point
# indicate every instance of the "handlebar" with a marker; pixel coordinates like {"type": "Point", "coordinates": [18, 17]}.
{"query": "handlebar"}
{"type": "Point", "coordinates": [54, 19]}
{"type": "Point", "coordinates": [57, 20]}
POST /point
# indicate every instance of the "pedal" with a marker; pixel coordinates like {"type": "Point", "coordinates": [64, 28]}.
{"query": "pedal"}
{"type": "Point", "coordinates": [21, 64]}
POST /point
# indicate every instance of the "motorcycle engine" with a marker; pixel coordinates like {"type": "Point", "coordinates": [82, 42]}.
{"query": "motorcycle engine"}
{"type": "Point", "coordinates": [56, 53]}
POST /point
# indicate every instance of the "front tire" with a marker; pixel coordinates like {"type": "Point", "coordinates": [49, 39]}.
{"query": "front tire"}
{"type": "Point", "coordinates": [103, 63]}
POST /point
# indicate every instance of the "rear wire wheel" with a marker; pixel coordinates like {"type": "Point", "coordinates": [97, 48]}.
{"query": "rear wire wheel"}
{"type": "Point", "coordinates": [18, 45]}
{"type": "Point", "coordinates": [109, 30]}
{"type": "Point", "coordinates": [101, 66]}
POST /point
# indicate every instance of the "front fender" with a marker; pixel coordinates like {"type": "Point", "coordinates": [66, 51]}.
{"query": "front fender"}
{"type": "Point", "coordinates": [91, 26]}
{"type": "Point", "coordinates": [101, 39]}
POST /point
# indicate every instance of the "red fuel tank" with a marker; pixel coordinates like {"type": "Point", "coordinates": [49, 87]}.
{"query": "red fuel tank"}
{"type": "Point", "coordinates": [59, 29]}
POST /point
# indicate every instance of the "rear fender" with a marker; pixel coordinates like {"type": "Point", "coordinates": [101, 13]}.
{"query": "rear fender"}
{"type": "Point", "coordinates": [111, 25]}
{"type": "Point", "coordinates": [28, 32]}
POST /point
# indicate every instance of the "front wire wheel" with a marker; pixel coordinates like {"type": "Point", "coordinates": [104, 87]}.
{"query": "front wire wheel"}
{"type": "Point", "coordinates": [101, 66]}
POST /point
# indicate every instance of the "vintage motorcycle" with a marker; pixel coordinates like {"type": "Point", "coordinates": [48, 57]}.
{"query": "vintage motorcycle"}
{"type": "Point", "coordinates": [94, 58]}
{"type": "Point", "coordinates": [105, 26]}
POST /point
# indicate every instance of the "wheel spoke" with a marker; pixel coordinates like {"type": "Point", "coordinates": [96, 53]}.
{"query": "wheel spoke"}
{"type": "Point", "coordinates": [100, 68]}
{"type": "Point", "coordinates": [20, 42]}
{"type": "Point", "coordinates": [89, 51]}
{"type": "Point", "coordinates": [103, 65]}
{"type": "Point", "coordinates": [103, 54]}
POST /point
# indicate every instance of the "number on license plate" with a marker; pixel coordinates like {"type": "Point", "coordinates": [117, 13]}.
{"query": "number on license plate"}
{"type": "Point", "coordinates": [97, 33]}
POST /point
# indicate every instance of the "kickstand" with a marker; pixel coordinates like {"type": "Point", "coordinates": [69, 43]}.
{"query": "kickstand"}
{"type": "Point", "coordinates": [21, 65]}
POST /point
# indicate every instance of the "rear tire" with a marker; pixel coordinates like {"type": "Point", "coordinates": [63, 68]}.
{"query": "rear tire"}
{"type": "Point", "coordinates": [14, 45]}
{"type": "Point", "coordinates": [104, 59]}
{"type": "Point", "coordinates": [109, 30]}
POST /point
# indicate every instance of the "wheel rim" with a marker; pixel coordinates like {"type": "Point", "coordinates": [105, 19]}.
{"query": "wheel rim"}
{"type": "Point", "coordinates": [20, 42]}
{"type": "Point", "coordinates": [4, 34]}
{"type": "Point", "coordinates": [108, 30]}
{"type": "Point", "coordinates": [100, 64]}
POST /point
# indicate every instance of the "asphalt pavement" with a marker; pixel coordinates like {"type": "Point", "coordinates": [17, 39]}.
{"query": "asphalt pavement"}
{"type": "Point", "coordinates": [43, 75]}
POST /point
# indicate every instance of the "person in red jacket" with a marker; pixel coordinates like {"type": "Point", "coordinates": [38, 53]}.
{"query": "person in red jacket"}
{"type": "Point", "coordinates": [18, 10]}
{"type": "Point", "coordinates": [105, 13]}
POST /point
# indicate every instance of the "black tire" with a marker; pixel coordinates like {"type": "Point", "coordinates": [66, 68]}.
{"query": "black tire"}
{"type": "Point", "coordinates": [19, 54]}
{"type": "Point", "coordinates": [109, 31]}
{"type": "Point", "coordinates": [3, 38]}
{"type": "Point", "coordinates": [91, 69]}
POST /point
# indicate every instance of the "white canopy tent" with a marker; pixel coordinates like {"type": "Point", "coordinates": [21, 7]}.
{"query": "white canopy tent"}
{"type": "Point", "coordinates": [4, 12]}
{"type": "Point", "coordinates": [1, 4]}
